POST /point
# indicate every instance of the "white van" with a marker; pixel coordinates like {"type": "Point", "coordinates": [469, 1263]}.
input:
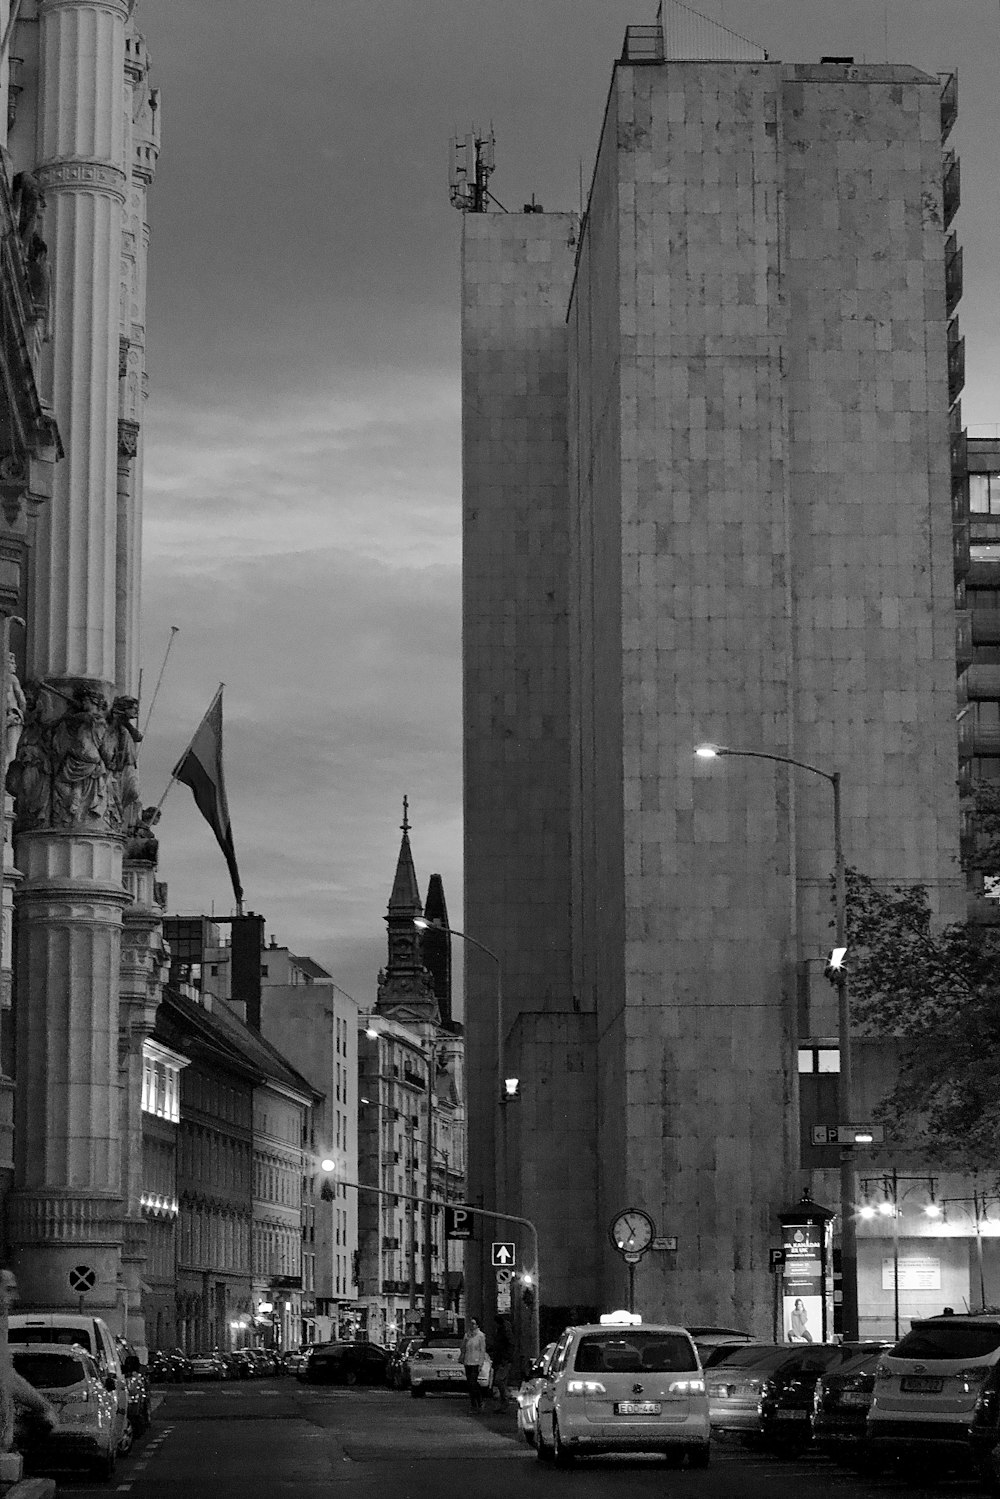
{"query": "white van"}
{"type": "Point", "coordinates": [927, 1386]}
{"type": "Point", "coordinates": [90, 1333]}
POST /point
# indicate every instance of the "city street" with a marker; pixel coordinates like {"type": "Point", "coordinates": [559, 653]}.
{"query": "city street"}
{"type": "Point", "coordinates": [291, 1439]}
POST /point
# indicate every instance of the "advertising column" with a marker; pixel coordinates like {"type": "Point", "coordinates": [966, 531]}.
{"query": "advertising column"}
{"type": "Point", "coordinates": [807, 1274]}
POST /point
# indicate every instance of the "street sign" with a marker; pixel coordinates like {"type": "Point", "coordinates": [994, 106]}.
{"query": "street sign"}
{"type": "Point", "coordinates": [664, 1241]}
{"type": "Point", "coordinates": [848, 1134]}
{"type": "Point", "coordinates": [503, 1255]}
{"type": "Point", "coordinates": [777, 1259]}
{"type": "Point", "coordinates": [503, 1298]}
{"type": "Point", "coordinates": [504, 1277]}
{"type": "Point", "coordinates": [457, 1223]}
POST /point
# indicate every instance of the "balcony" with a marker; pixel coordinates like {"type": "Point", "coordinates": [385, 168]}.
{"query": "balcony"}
{"type": "Point", "coordinates": [953, 280]}
{"type": "Point", "coordinates": [960, 546]}
{"type": "Point", "coordinates": [949, 104]}
{"type": "Point", "coordinates": [964, 636]}
{"type": "Point", "coordinates": [985, 740]}
{"type": "Point", "coordinates": [952, 196]}
{"type": "Point", "coordinates": [956, 362]}
{"type": "Point", "coordinates": [986, 626]}
{"type": "Point", "coordinates": [984, 682]}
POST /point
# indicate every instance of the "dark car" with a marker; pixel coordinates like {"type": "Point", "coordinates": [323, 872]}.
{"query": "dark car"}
{"type": "Point", "coordinates": [169, 1366]}
{"type": "Point", "coordinates": [140, 1405]}
{"type": "Point", "coordinates": [398, 1372]}
{"type": "Point", "coordinates": [347, 1363]}
{"type": "Point", "coordinates": [984, 1432]}
{"type": "Point", "coordinates": [237, 1364]}
{"type": "Point", "coordinates": [786, 1396]}
{"type": "Point", "coordinates": [841, 1400]}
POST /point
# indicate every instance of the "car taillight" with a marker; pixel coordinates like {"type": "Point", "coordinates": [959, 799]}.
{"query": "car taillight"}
{"type": "Point", "coordinates": [883, 1372]}
{"type": "Point", "coordinates": [585, 1387]}
{"type": "Point", "coordinates": [973, 1376]}
{"type": "Point", "coordinates": [76, 1397]}
{"type": "Point", "coordinates": [764, 1387]}
{"type": "Point", "coordinates": [425, 1357]}
{"type": "Point", "coordinates": [686, 1387]}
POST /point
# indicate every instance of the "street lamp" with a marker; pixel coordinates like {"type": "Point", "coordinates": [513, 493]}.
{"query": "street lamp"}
{"type": "Point", "coordinates": [891, 1207]}
{"type": "Point", "coordinates": [848, 1232]}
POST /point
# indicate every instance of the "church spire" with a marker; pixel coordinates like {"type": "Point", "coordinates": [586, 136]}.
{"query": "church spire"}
{"type": "Point", "coordinates": [405, 984]}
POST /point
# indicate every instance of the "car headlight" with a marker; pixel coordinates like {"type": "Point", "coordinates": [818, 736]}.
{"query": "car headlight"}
{"type": "Point", "coordinates": [585, 1387]}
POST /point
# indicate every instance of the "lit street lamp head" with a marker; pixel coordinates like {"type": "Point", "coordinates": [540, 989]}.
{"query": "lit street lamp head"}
{"type": "Point", "coordinates": [421, 922]}
{"type": "Point", "coordinates": [710, 751]}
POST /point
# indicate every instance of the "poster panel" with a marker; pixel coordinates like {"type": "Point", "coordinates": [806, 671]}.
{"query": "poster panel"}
{"type": "Point", "coordinates": [803, 1283]}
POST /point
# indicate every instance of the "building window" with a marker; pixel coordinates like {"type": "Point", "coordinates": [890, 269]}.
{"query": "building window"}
{"type": "Point", "coordinates": [161, 1088]}
{"type": "Point", "coordinates": [986, 767]}
{"type": "Point", "coordinates": [819, 1059]}
{"type": "Point", "coordinates": [984, 494]}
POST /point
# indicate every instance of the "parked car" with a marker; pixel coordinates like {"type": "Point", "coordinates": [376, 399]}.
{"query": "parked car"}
{"type": "Point", "coordinates": [169, 1366]}
{"type": "Point", "coordinates": [237, 1364]}
{"type": "Point", "coordinates": [293, 1360]}
{"type": "Point", "coordinates": [927, 1388]}
{"type": "Point", "coordinates": [88, 1432]}
{"type": "Point", "coordinates": [398, 1374]}
{"type": "Point", "coordinates": [436, 1364]}
{"type": "Point", "coordinates": [734, 1387]}
{"type": "Point", "coordinates": [93, 1335]}
{"type": "Point", "coordinates": [984, 1432]}
{"type": "Point", "coordinates": [140, 1405]}
{"type": "Point", "coordinates": [786, 1396]}
{"type": "Point", "coordinates": [208, 1365]}
{"type": "Point", "coordinates": [841, 1400]}
{"type": "Point", "coordinates": [347, 1363]}
{"type": "Point", "coordinates": [712, 1340]}
{"type": "Point", "coordinates": [528, 1393]}
{"type": "Point", "coordinates": [624, 1386]}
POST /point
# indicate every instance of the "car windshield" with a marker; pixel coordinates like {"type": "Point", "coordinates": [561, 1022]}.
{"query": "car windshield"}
{"type": "Point", "coordinates": [67, 1336]}
{"type": "Point", "coordinates": [634, 1352]}
{"type": "Point", "coordinates": [50, 1371]}
{"type": "Point", "coordinates": [931, 1340]}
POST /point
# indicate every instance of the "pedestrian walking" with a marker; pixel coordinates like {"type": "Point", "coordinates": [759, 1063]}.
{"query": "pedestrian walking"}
{"type": "Point", "coordinates": [473, 1355]}
{"type": "Point", "coordinates": [503, 1356]}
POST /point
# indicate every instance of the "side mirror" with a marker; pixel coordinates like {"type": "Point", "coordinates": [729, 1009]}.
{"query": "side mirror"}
{"type": "Point", "coordinates": [131, 1365]}
{"type": "Point", "coordinates": [111, 1383]}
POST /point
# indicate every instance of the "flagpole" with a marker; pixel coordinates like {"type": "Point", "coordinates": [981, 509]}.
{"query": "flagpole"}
{"type": "Point", "coordinates": [191, 741]}
{"type": "Point", "coordinates": [173, 631]}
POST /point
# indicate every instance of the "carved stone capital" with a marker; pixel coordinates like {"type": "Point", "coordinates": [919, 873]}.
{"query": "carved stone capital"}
{"type": "Point", "coordinates": [15, 473]}
{"type": "Point", "coordinates": [128, 438]}
{"type": "Point", "coordinates": [76, 173]}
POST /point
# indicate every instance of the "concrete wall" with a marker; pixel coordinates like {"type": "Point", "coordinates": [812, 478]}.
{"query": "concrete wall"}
{"type": "Point", "coordinates": [516, 270]}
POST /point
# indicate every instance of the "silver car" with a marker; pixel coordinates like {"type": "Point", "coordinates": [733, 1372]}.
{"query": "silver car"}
{"type": "Point", "coordinates": [528, 1393]}
{"type": "Point", "coordinates": [624, 1386]}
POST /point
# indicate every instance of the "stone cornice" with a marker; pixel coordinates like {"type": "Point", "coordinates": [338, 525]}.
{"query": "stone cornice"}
{"type": "Point", "coordinates": [113, 7]}
{"type": "Point", "coordinates": [82, 173]}
{"type": "Point", "coordinates": [46, 1216]}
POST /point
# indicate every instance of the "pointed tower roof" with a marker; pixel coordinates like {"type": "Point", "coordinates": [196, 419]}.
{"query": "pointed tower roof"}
{"type": "Point", "coordinates": [435, 945]}
{"type": "Point", "coordinates": [405, 897]}
{"type": "Point", "coordinates": [405, 987]}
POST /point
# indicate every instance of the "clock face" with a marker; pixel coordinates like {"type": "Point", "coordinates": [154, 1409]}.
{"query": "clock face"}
{"type": "Point", "coordinates": [632, 1231]}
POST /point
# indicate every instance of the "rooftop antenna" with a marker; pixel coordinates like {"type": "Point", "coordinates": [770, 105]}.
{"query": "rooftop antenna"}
{"type": "Point", "coordinates": [471, 161]}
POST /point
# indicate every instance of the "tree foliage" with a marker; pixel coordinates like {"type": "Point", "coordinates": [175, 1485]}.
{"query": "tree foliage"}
{"type": "Point", "coordinates": [938, 993]}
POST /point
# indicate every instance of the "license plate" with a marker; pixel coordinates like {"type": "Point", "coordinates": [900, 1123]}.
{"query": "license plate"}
{"type": "Point", "coordinates": [636, 1408]}
{"type": "Point", "coordinates": [449, 1374]}
{"type": "Point", "coordinates": [792, 1415]}
{"type": "Point", "coordinates": [855, 1397]}
{"type": "Point", "coordinates": [921, 1384]}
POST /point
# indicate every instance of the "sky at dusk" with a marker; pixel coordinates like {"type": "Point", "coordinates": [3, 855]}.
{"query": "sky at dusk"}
{"type": "Point", "coordinates": [302, 435]}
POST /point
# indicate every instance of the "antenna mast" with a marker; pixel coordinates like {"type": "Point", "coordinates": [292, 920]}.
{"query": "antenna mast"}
{"type": "Point", "coordinates": [471, 163]}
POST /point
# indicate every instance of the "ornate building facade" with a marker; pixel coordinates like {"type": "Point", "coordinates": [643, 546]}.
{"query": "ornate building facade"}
{"type": "Point", "coordinates": [411, 1129]}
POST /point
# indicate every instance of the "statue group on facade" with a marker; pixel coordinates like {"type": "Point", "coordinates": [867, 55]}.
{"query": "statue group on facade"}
{"type": "Point", "coordinates": [71, 761]}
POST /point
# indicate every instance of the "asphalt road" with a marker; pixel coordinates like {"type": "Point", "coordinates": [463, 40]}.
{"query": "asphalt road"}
{"type": "Point", "coordinates": [278, 1439]}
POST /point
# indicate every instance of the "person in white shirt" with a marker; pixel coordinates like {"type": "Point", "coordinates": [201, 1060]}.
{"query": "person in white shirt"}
{"type": "Point", "coordinates": [473, 1354]}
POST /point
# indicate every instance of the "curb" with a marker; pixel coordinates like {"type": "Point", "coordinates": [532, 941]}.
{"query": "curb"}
{"type": "Point", "coordinates": [31, 1488]}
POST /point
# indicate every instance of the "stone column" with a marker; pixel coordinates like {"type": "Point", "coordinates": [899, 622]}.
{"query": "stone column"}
{"type": "Point", "coordinates": [66, 1214]}
{"type": "Point", "coordinates": [142, 973]}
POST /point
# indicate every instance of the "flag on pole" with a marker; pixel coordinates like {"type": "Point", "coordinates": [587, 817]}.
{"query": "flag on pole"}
{"type": "Point", "coordinates": [200, 767]}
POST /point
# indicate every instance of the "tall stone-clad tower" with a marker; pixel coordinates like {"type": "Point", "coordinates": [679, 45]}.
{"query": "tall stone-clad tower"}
{"type": "Point", "coordinates": [75, 782]}
{"type": "Point", "coordinates": [706, 498]}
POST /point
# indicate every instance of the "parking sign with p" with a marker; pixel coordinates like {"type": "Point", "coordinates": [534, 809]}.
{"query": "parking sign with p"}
{"type": "Point", "coordinates": [457, 1223]}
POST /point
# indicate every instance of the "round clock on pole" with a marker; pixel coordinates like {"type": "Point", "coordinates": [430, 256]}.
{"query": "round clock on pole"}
{"type": "Point", "coordinates": [632, 1232]}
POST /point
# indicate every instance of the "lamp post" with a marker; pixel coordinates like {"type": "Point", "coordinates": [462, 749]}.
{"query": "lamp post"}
{"type": "Point", "coordinates": [981, 1204]}
{"type": "Point", "coordinates": [891, 1207]}
{"type": "Point", "coordinates": [848, 1229]}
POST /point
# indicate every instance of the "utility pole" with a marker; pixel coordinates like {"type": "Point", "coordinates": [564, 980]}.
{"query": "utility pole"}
{"type": "Point", "coordinates": [428, 1205]}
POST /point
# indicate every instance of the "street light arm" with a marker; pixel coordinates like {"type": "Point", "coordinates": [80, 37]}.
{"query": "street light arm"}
{"type": "Point", "coordinates": [828, 775]}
